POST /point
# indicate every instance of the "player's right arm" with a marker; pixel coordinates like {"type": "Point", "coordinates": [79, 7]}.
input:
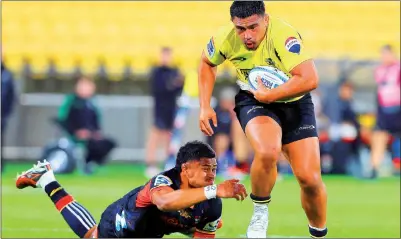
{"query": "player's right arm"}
{"type": "Point", "coordinates": [214, 54]}
{"type": "Point", "coordinates": [207, 78]}
{"type": "Point", "coordinates": [168, 199]}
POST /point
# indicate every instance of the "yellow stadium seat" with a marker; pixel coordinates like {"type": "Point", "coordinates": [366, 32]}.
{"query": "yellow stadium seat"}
{"type": "Point", "coordinates": [136, 30]}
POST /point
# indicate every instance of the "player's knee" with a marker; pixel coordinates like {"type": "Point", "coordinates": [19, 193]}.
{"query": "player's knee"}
{"type": "Point", "coordinates": [268, 156]}
{"type": "Point", "coordinates": [311, 183]}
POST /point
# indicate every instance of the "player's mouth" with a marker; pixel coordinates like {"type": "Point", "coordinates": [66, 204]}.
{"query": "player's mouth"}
{"type": "Point", "coordinates": [210, 180]}
{"type": "Point", "coordinates": [249, 44]}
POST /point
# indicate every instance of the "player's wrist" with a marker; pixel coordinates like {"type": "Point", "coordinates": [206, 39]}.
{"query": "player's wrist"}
{"type": "Point", "coordinates": [210, 191]}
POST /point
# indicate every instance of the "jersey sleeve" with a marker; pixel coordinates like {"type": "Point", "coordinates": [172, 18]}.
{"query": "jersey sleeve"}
{"type": "Point", "coordinates": [289, 47]}
{"type": "Point", "coordinates": [218, 47]}
{"type": "Point", "coordinates": [210, 220]}
{"type": "Point", "coordinates": [160, 181]}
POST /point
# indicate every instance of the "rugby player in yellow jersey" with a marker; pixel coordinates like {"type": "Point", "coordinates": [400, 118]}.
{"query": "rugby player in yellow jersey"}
{"type": "Point", "coordinates": [277, 120]}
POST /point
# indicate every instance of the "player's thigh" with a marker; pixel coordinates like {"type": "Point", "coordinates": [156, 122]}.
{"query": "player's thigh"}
{"type": "Point", "coordinates": [264, 135]}
{"type": "Point", "coordinates": [260, 124]}
{"type": "Point", "coordinates": [300, 141]}
{"type": "Point", "coordinates": [304, 157]}
{"type": "Point", "coordinates": [261, 128]}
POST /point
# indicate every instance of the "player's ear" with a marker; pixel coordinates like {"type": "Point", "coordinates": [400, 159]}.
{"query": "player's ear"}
{"type": "Point", "coordinates": [184, 167]}
{"type": "Point", "coordinates": [266, 19]}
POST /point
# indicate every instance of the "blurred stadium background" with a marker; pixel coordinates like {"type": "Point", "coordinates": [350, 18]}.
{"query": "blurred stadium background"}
{"type": "Point", "coordinates": [45, 44]}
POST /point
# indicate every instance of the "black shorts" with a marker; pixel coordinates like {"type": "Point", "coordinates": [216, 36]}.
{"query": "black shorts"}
{"type": "Point", "coordinates": [297, 119]}
{"type": "Point", "coordinates": [389, 122]}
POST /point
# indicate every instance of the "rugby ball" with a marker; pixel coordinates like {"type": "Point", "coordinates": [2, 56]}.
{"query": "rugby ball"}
{"type": "Point", "coordinates": [271, 77]}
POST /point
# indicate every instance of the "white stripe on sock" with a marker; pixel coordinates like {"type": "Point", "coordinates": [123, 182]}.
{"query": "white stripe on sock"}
{"type": "Point", "coordinates": [83, 216]}
{"type": "Point", "coordinates": [317, 229]}
{"type": "Point", "coordinates": [86, 212]}
{"type": "Point", "coordinates": [79, 218]}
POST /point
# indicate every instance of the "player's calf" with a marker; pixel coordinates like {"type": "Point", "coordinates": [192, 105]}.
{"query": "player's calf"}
{"type": "Point", "coordinates": [77, 217]}
{"type": "Point", "coordinates": [314, 197]}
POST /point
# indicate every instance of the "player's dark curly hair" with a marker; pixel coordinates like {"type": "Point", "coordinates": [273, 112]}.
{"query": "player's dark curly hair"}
{"type": "Point", "coordinates": [193, 150]}
{"type": "Point", "coordinates": [244, 9]}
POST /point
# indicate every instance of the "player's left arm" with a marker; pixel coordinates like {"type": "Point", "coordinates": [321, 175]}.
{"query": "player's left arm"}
{"type": "Point", "coordinates": [295, 58]}
{"type": "Point", "coordinates": [210, 221]}
{"type": "Point", "coordinates": [304, 79]}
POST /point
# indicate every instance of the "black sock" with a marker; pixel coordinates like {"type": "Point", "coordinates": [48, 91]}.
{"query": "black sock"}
{"type": "Point", "coordinates": [76, 216]}
{"type": "Point", "coordinates": [55, 191]}
{"type": "Point", "coordinates": [260, 200]}
{"type": "Point", "coordinates": [317, 232]}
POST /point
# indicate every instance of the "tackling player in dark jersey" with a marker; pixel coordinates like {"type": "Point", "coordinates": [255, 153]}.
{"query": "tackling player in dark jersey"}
{"type": "Point", "coordinates": [183, 199]}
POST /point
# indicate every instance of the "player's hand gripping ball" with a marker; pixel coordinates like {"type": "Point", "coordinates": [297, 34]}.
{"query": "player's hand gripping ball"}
{"type": "Point", "coordinates": [271, 77]}
{"type": "Point", "coordinates": [231, 189]}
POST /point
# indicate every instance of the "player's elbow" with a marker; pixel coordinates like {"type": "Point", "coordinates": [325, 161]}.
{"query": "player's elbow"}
{"type": "Point", "coordinates": [313, 83]}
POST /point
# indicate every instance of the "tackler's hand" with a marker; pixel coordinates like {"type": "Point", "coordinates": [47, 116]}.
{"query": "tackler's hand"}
{"type": "Point", "coordinates": [231, 189]}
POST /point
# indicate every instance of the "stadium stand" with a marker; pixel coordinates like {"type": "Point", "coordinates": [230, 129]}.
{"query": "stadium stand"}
{"type": "Point", "coordinates": [87, 31]}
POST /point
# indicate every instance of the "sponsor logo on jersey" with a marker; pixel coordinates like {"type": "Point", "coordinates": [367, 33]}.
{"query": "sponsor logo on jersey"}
{"type": "Point", "coordinates": [293, 45]}
{"type": "Point", "coordinates": [210, 48]}
{"type": "Point", "coordinates": [162, 180]}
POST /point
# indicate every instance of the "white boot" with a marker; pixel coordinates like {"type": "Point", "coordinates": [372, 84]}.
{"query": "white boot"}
{"type": "Point", "coordinates": [260, 219]}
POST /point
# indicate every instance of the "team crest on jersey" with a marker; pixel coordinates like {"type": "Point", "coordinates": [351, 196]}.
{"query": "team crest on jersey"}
{"type": "Point", "coordinates": [293, 45]}
{"type": "Point", "coordinates": [210, 47]}
{"type": "Point", "coordinates": [212, 226]}
{"type": "Point", "coordinates": [162, 180]}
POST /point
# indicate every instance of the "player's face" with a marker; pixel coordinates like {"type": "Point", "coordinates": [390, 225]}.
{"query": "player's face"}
{"type": "Point", "coordinates": [166, 57]}
{"type": "Point", "coordinates": [387, 56]}
{"type": "Point", "coordinates": [251, 30]}
{"type": "Point", "coordinates": [85, 88]}
{"type": "Point", "coordinates": [201, 173]}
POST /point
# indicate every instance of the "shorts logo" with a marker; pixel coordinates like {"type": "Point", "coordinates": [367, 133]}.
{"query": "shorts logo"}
{"type": "Point", "coordinates": [162, 180]}
{"type": "Point", "coordinates": [293, 45]}
{"type": "Point", "coordinates": [254, 108]}
{"type": "Point", "coordinates": [305, 127]}
{"type": "Point", "coordinates": [210, 48]}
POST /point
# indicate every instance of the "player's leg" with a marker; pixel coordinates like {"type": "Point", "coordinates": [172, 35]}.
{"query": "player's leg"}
{"type": "Point", "coordinates": [264, 135]}
{"type": "Point", "coordinates": [304, 158]}
{"type": "Point", "coordinates": [151, 152]}
{"type": "Point", "coordinates": [378, 147]}
{"type": "Point", "coordinates": [301, 147]}
{"type": "Point", "coordinates": [77, 217]}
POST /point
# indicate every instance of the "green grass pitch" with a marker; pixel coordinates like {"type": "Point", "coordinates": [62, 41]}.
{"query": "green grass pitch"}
{"type": "Point", "coordinates": [356, 208]}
